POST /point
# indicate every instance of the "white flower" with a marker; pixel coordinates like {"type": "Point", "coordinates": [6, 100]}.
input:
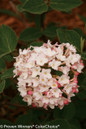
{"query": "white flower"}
{"type": "Point", "coordinates": [43, 88]}
{"type": "Point", "coordinates": [38, 49]}
{"type": "Point", "coordinates": [64, 79]}
{"type": "Point", "coordinates": [43, 80]}
{"type": "Point", "coordinates": [46, 73]}
{"type": "Point", "coordinates": [71, 94]}
{"type": "Point", "coordinates": [61, 101]}
{"type": "Point", "coordinates": [40, 103]}
{"type": "Point", "coordinates": [78, 67]}
{"type": "Point", "coordinates": [68, 88]}
{"type": "Point", "coordinates": [28, 81]}
{"type": "Point", "coordinates": [65, 69]}
{"type": "Point", "coordinates": [73, 58]}
{"type": "Point", "coordinates": [23, 91]}
{"type": "Point", "coordinates": [23, 52]}
{"type": "Point", "coordinates": [60, 50]}
{"type": "Point", "coordinates": [61, 57]}
{"type": "Point", "coordinates": [33, 56]}
{"type": "Point", "coordinates": [35, 81]}
{"type": "Point", "coordinates": [38, 84]}
{"type": "Point", "coordinates": [21, 82]}
{"type": "Point", "coordinates": [18, 62]}
{"type": "Point", "coordinates": [70, 47]}
{"type": "Point", "coordinates": [37, 95]}
{"type": "Point", "coordinates": [41, 59]}
{"type": "Point", "coordinates": [45, 100]}
{"type": "Point", "coordinates": [49, 52]}
{"type": "Point", "coordinates": [52, 84]}
{"type": "Point", "coordinates": [49, 94]}
{"type": "Point", "coordinates": [51, 106]}
{"type": "Point", "coordinates": [53, 100]}
{"type": "Point", "coordinates": [24, 75]}
{"type": "Point", "coordinates": [30, 63]}
{"type": "Point", "coordinates": [56, 92]}
{"type": "Point", "coordinates": [35, 71]}
{"type": "Point", "coordinates": [28, 99]}
{"type": "Point", "coordinates": [54, 64]}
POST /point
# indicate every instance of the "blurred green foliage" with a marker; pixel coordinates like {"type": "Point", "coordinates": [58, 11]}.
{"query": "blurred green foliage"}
{"type": "Point", "coordinates": [72, 116]}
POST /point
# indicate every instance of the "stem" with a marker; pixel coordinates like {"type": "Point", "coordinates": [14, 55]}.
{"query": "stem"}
{"type": "Point", "coordinates": [82, 44]}
{"type": "Point", "coordinates": [48, 2]}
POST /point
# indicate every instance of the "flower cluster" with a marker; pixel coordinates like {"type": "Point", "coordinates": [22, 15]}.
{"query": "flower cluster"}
{"type": "Point", "coordinates": [47, 75]}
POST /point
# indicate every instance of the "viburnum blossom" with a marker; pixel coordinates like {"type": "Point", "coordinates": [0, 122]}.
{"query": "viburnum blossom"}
{"type": "Point", "coordinates": [47, 75]}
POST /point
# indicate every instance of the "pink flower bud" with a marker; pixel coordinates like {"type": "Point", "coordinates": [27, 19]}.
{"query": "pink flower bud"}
{"type": "Point", "coordinates": [81, 62]}
{"type": "Point", "coordinates": [19, 73]}
{"type": "Point", "coordinates": [77, 73]}
{"type": "Point", "coordinates": [45, 45]}
{"type": "Point", "coordinates": [33, 105]}
{"type": "Point", "coordinates": [74, 90]}
{"type": "Point", "coordinates": [60, 95]}
{"type": "Point", "coordinates": [66, 101]}
{"type": "Point", "coordinates": [69, 81]}
{"type": "Point", "coordinates": [30, 92]}
{"type": "Point", "coordinates": [45, 92]}
{"type": "Point", "coordinates": [45, 106]}
{"type": "Point", "coordinates": [75, 80]}
{"type": "Point", "coordinates": [58, 84]}
{"type": "Point", "coordinates": [52, 48]}
{"type": "Point", "coordinates": [72, 66]}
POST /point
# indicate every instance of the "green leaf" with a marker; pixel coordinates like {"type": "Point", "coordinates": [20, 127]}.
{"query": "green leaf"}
{"type": "Point", "coordinates": [82, 44]}
{"type": "Point", "coordinates": [73, 126]}
{"type": "Point", "coordinates": [37, 20]}
{"type": "Point", "coordinates": [80, 32]}
{"type": "Point", "coordinates": [2, 86]}
{"type": "Point", "coordinates": [82, 80]}
{"type": "Point", "coordinates": [70, 36]}
{"type": "Point", "coordinates": [81, 109]}
{"type": "Point", "coordinates": [50, 31]}
{"type": "Point", "coordinates": [39, 115]}
{"type": "Point", "coordinates": [30, 34]}
{"type": "Point", "coordinates": [64, 5]}
{"type": "Point", "coordinates": [25, 119]}
{"type": "Point", "coordinates": [18, 99]}
{"type": "Point", "coordinates": [68, 111]}
{"type": "Point", "coordinates": [59, 73]}
{"type": "Point", "coordinates": [85, 27]}
{"type": "Point", "coordinates": [82, 18]}
{"type": "Point", "coordinates": [57, 113]}
{"type": "Point", "coordinates": [8, 12]}
{"type": "Point", "coordinates": [36, 44]}
{"type": "Point", "coordinates": [7, 74]}
{"type": "Point", "coordinates": [83, 55]}
{"type": "Point", "coordinates": [35, 6]}
{"type": "Point", "coordinates": [82, 95]}
{"type": "Point", "coordinates": [8, 58]}
{"type": "Point", "coordinates": [8, 40]}
{"type": "Point", "coordinates": [8, 83]}
{"type": "Point", "coordinates": [23, 1]}
{"type": "Point", "coordinates": [54, 72]}
{"type": "Point", "coordinates": [2, 65]}
{"type": "Point", "coordinates": [75, 123]}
